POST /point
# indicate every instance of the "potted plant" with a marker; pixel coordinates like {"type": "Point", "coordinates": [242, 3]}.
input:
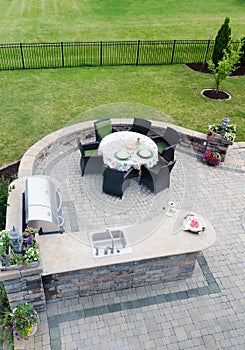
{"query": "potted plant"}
{"type": "Point", "coordinates": [29, 253]}
{"type": "Point", "coordinates": [22, 322]}
{"type": "Point", "coordinates": [228, 133]}
{"type": "Point", "coordinates": [212, 157]}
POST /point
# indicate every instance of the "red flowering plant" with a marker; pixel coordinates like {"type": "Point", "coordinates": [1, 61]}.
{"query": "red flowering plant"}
{"type": "Point", "coordinates": [212, 157]}
{"type": "Point", "coordinates": [28, 254]}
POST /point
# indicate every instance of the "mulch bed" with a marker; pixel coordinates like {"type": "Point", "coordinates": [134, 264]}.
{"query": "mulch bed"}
{"type": "Point", "coordinates": [203, 68]}
{"type": "Point", "coordinates": [214, 94]}
{"type": "Point", "coordinates": [7, 171]}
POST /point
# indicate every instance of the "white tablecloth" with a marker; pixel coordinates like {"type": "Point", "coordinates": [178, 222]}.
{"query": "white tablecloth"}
{"type": "Point", "coordinates": [124, 149]}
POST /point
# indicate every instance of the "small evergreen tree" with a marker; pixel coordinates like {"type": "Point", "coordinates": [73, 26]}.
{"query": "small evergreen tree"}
{"type": "Point", "coordinates": [221, 42]}
{"type": "Point", "coordinates": [242, 52]}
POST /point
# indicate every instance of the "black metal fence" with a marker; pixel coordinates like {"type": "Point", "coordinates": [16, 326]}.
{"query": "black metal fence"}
{"type": "Point", "coordinates": [110, 53]}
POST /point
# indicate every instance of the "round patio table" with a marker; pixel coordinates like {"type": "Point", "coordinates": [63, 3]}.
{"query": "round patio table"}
{"type": "Point", "coordinates": [125, 149]}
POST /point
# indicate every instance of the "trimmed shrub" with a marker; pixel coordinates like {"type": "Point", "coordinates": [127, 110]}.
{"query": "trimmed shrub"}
{"type": "Point", "coordinates": [4, 192]}
{"type": "Point", "coordinates": [6, 335]}
{"type": "Point", "coordinates": [242, 52]}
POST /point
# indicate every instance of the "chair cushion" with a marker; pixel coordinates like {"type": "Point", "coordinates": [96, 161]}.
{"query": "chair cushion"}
{"type": "Point", "coordinates": [161, 146]}
{"type": "Point", "coordinates": [91, 152]}
{"type": "Point", "coordinates": [104, 128]}
{"type": "Point", "coordinates": [156, 168]}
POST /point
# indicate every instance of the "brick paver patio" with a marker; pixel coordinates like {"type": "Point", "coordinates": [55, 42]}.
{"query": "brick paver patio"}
{"type": "Point", "coordinates": [205, 311]}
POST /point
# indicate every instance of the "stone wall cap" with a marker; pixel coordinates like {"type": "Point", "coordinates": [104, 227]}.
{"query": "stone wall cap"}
{"type": "Point", "coordinates": [6, 275]}
{"type": "Point", "coordinates": [31, 271]}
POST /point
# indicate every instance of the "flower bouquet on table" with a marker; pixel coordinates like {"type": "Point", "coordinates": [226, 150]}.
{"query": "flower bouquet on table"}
{"type": "Point", "coordinates": [212, 157]}
{"type": "Point", "coordinates": [22, 322]}
{"type": "Point", "coordinates": [29, 253]}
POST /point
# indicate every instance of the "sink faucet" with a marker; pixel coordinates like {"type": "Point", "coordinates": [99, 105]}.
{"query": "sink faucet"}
{"type": "Point", "coordinates": [106, 250]}
{"type": "Point", "coordinates": [96, 251]}
{"type": "Point", "coordinates": [112, 242]}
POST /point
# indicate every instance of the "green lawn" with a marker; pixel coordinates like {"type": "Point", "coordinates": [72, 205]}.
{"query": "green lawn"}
{"type": "Point", "coordinates": [36, 102]}
{"type": "Point", "coordinates": [83, 20]}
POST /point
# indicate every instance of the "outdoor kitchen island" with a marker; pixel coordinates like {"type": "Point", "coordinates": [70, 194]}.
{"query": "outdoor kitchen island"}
{"type": "Point", "coordinates": [157, 251]}
{"type": "Point", "coordinates": [160, 252]}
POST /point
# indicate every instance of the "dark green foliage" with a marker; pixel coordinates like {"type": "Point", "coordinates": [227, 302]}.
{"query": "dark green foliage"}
{"type": "Point", "coordinates": [4, 191]}
{"type": "Point", "coordinates": [4, 304]}
{"type": "Point", "coordinates": [6, 335]}
{"type": "Point", "coordinates": [221, 41]}
{"type": "Point", "coordinates": [225, 66]}
{"type": "Point", "coordinates": [3, 201]}
{"type": "Point", "coordinates": [242, 52]}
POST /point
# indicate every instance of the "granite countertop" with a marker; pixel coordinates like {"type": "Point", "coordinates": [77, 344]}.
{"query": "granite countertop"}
{"type": "Point", "coordinates": [159, 237]}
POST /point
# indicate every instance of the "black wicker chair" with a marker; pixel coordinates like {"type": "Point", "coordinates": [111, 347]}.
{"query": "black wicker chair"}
{"type": "Point", "coordinates": [103, 128]}
{"type": "Point", "coordinates": [115, 181]}
{"type": "Point", "coordinates": [157, 178]}
{"type": "Point", "coordinates": [171, 165]}
{"type": "Point", "coordinates": [167, 143]}
{"type": "Point", "coordinates": [141, 126]}
{"type": "Point", "coordinates": [162, 161]}
{"type": "Point", "coordinates": [90, 161]}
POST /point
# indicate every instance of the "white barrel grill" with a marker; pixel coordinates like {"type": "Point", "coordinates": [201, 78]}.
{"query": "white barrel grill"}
{"type": "Point", "coordinates": [43, 205]}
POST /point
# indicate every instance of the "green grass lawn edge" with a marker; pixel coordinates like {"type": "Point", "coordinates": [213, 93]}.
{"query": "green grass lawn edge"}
{"type": "Point", "coordinates": [36, 102]}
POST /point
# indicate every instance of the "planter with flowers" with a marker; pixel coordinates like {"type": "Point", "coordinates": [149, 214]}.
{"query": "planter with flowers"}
{"type": "Point", "coordinates": [22, 322]}
{"type": "Point", "coordinates": [212, 157]}
{"type": "Point", "coordinates": [28, 256]}
{"type": "Point", "coordinates": [221, 136]}
{"type": "Point", "coordinates": [228, 133]}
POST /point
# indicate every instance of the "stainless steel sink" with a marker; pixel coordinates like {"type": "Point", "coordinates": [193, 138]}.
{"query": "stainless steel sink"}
{"type": "Point", "coordinates": [109, 243]}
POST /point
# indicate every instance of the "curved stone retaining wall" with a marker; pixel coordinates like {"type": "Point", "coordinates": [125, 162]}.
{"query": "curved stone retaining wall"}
{"type": "Point", "coordinates": [193, 141]}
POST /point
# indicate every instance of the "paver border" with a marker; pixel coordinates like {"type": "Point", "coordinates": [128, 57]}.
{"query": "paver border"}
{"type": "Point", "coordinates": [211, 288]}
